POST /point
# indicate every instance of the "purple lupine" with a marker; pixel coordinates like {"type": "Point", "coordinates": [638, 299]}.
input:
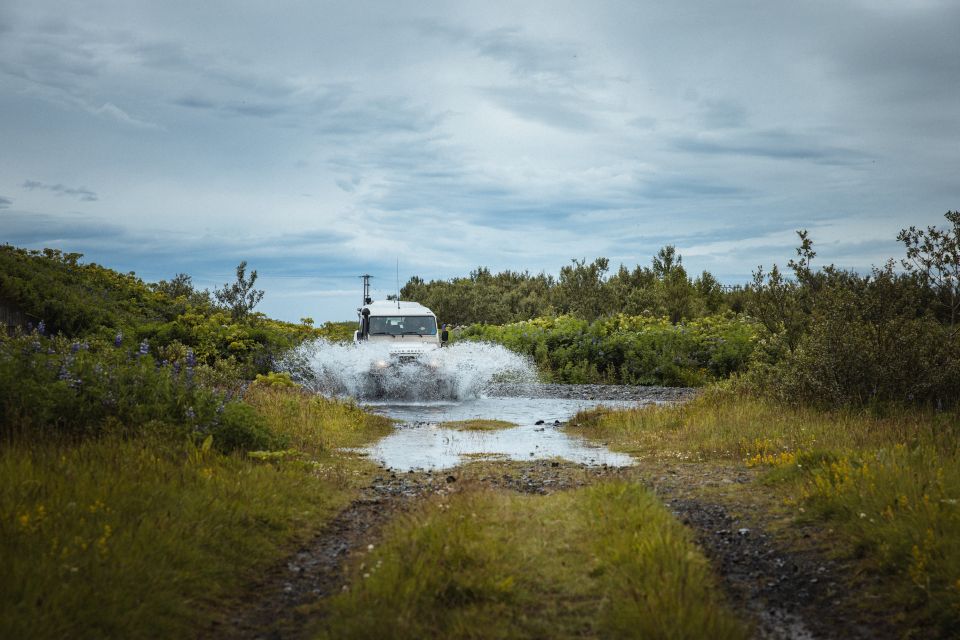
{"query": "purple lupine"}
{"type": "Point", "coordinates": [64, 373]}
{"type": "Point", "coordinates": [118, 339]}
{"type": "Point", "coordinates": [176, 368]}
{"type": "Point", "coordinates": [42, 328]}
{"type": "Point", "coordinates": [190, 413]}
{"type": "Point", "coordinates": [74, 347]}
{"type": "Point", "coordinates": [144, 348]}
{"type": "Point", "coordinates": [191, 359]}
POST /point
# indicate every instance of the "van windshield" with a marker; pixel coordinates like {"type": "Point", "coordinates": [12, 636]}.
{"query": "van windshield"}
{"type": "Point", "coordinates": [403, 325]}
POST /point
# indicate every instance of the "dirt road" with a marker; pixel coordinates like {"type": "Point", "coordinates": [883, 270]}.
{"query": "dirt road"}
{"type": "Point", "coordinates": [780, 577]}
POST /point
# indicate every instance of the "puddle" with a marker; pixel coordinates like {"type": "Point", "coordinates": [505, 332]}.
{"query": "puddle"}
{"type": "Point", "coordinates": [465, 381]}
{"type": "Point", "coordinates": [419, 443]}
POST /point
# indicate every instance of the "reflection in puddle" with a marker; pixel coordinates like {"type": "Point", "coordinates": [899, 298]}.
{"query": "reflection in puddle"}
{"type": "Point", "coordinates": [418, 443]}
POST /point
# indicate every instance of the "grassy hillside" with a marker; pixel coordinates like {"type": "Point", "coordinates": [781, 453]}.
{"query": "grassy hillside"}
{"type": "Point", "coordinates": [87, 301]}
{"type": "Point", "coordinates": [143, 476]}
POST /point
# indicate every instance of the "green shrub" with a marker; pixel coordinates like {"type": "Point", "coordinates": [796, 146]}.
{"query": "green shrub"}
{"type": "Point", "coordinates": [628, 349]}
{"type": "Point", "coordinates": [866, 341]}
{"type": "Point", "coordinates": [69, 389]}
{"type": "Point", "coordinates": [87, 301]}
{"type": "Point", "coordinates": [274, 379]}
{"type": "Point", "coordinates": [241, 428]}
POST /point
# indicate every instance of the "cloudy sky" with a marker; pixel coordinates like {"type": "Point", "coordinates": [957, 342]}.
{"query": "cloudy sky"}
{"type": "Point", "coordinates": [321, 140]}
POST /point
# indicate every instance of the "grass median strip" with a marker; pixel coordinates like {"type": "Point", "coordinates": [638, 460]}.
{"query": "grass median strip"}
{"type": "Point", "coordinates": [602, 561]}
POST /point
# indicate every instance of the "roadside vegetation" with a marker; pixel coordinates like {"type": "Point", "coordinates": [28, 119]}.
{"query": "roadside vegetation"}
{"type": "Point", "coordinates": [60, 294]}
{"type": "Point", "coordinates": [145, 530]}
{"type": "Point", "coordinates": [144, 477]}
{"type": "Point", "coordinates": [623, 349]}
{"type": "Point", "coordinates": [603, 561]}
{"type": "Point", "coordinates": [850, 405]}
{"type": "Point", "coordinates": [823, 336]}
{"type": "Point", "coordinates": [886, 484]}
{"type": "Point", "coordinates": [583, 290]}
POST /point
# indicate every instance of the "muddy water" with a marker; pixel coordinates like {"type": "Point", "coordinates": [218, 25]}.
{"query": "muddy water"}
{"type": "Point", "coordinates": [420, 442]}
{"type": "Point", "coordinates": [467, 380]}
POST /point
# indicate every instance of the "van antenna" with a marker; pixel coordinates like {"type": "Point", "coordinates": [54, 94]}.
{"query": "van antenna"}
{"type": "Point", "coordinates": [398, 282]}
{"type": "Point", "coordinates": [366, 289]}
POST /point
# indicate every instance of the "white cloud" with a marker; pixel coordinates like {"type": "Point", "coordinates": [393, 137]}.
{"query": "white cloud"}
{"type": "Point", "coordinates": [454, 135]}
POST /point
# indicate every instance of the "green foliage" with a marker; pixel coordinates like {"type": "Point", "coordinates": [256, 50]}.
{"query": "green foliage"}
{"type": "Point", "coordinates": [274, 379]}
{"type": "Point", "coordinates": [77, 299]}
{"type": "Point", "coordinates": [483, 297]}
{"type": "Point", "coordinates": [934, 255]}
{"type": "Point", "coordinates": [896, 505]}
{"type": "Point", "coordinates": [337, 331]}
{"type": "Point", "coordinates": [887, 485]}
{"type": "Point", "coordinates": [88, 301]}
{"type": "Point", "coordinates": [52, 387]}
{"type": "Point", "coordinates": [583, 290]}
{"type": "Point", "coordinates": [580, 291]}
{"type": "Point", "coordinates": [313, 423]}
{"type": "Point", "coordinates": [241, 428]}
{"type": "Point", "coordinates": [239, 296]}
{"type": "Point", "coordinates": [825, 336]}
{"type": "Point", "coordinates": [127, 505]}
{"type": "Point", "coordinates": [628, 349]}
{"type": "Point", "coordinates": [142, 536]}
{"type": "Point", "coordinates": [837, 338]}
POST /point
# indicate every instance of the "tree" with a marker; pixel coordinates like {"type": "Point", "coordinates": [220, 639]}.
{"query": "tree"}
{"type": "Point", "coordinates": [580, 289]}
{"type": "Point", "coordinates": [801, 268]}
{"type": "Point", "coordinates": [710, 291]}
{"type": "Point", "coordinates": [678, 294]}
{"type": "Point", "coordinates": [181, 285]}
{"type": "Point", "coordinates": [775, 303]}
{"type": "Point", "coordinates": [240, 297]}
{"type": "Point", "coordinates": [934, 255]}
{"type": "Point", "coordinates": [665, 261]}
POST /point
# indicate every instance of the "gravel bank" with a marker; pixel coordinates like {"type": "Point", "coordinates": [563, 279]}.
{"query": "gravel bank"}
{"type": "Point", "coordinates": [592, 392]}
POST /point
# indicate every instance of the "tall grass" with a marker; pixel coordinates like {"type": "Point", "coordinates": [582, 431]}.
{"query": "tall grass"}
{"type": "Point", "coordinates": [888, 484]}
{"type": "Point", "coordinates": [898, 507]}
{"type": "Point", "coordinates": [604, 561]}
{"type": "Point", "coordinates": [721, 424]}
{"type": "Point", "coordinates": [142, 536]}
{"type": "Point", "coordinates": [313, 423]}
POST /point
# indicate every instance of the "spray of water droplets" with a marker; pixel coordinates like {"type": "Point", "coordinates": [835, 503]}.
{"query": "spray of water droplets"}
{"type": "Point", "coordinates": [368, 372]}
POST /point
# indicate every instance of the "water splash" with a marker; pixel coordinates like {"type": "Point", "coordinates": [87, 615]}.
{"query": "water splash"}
{"type": "Point", "coordinates": [367, 371]}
